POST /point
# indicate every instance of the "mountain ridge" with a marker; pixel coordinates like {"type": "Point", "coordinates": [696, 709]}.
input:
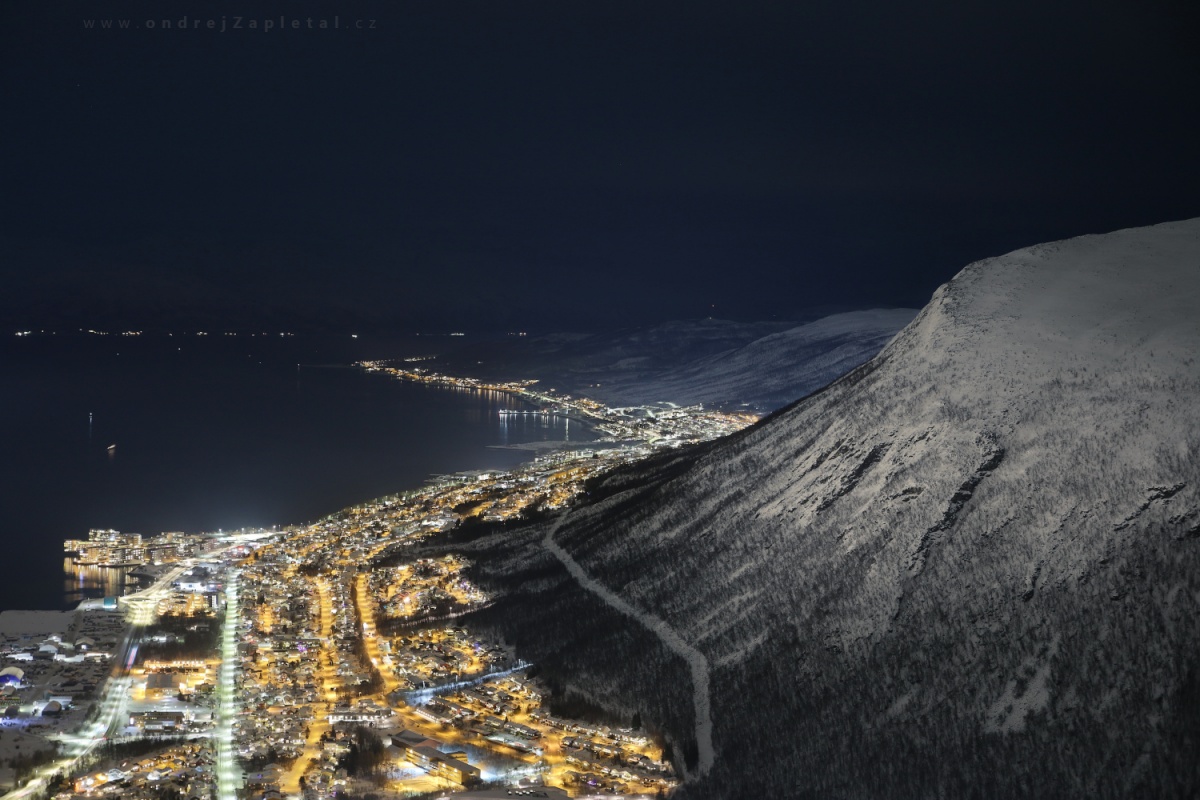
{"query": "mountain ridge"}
{"type": "Point", "coordinates": [760, 365]}
{"type": "Point", "coordinates": [971, 566]}
{"type": "Point", "coordinates": [767, 372]}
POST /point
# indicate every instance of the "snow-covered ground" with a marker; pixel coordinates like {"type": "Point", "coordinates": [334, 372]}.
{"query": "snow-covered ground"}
{"type": "Point", "coordinates": [27, 623]}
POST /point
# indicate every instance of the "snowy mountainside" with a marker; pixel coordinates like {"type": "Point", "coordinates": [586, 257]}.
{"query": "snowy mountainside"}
{"type": "Point", "coordinates": [768, 372]}
{"type": "Point", "coordinates": [571, 360]}
{"type": "Point", "coordinates": [970, 567]}
{"type": "Point", "coordinates": [761, 365]}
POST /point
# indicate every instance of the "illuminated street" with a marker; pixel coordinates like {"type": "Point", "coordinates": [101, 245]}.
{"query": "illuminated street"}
{"type": "Point", "coordinates": [327, 626]}
{"type": "Point", "coordinates": [228, 774]}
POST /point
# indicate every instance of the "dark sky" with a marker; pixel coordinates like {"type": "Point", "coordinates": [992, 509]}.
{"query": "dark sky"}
{"type": "Point", "coordinates": [569, 163]}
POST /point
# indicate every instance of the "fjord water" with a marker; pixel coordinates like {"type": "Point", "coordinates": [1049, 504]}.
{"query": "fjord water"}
{"type": "Point", "coordinates": [215, 433]}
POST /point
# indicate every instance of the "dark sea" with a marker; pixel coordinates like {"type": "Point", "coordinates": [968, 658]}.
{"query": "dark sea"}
{"type": "Point", "coordinates": [215, 432]}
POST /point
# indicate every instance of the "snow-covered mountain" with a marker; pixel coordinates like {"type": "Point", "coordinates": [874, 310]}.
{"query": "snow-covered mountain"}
{"type": "Point", "coordinates": [766, 373]}
{"type": "Point", "coordinates": [969, 568]}
{"type": "Point", "coordinates": [761, 365]}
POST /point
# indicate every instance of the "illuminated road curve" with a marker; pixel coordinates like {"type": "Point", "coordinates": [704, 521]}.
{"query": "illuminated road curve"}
{"type": "Point", "coordinates": [419, 697]}
{"type": "Point", "coordinates": [140, 610]}
{"type": "Point", "coordinates": [695, 659]}
{"type": "Point", "coordinates": [79, 745]}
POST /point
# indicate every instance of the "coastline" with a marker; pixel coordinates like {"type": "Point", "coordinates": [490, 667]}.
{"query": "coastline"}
{"type": "Point", "coordinates": [339, 549]}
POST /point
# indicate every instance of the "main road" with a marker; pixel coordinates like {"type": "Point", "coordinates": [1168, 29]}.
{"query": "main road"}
{"type": "Point", "coordinates": [229, 777]}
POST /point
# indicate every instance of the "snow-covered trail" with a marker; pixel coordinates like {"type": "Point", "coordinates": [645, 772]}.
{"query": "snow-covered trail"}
{"type": "Point", "coordinates": [674, 642]}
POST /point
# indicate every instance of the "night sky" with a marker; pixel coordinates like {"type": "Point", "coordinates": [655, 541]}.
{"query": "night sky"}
{"type": "Point", "coordinates": [576, 164]}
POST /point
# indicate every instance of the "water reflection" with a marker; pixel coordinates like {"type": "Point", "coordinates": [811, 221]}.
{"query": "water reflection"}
{"type": "Point", "coordinates": [532, 425]}
{"type": "Point", "coordinates": [88, 581]}
{"type": "Point", "coordinates": [521, 420]}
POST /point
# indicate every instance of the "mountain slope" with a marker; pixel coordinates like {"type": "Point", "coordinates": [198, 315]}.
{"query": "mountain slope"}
{"type": "Point", "coordinates": [717, 362]}
{"type": "Point", "coordinates": [766, 373]}
{"type": "Point", "coordinates": [971, 567]}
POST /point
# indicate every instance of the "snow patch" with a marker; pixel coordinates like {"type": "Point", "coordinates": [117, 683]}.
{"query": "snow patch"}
{"type": "Point", "coordinates": [1028, 693]}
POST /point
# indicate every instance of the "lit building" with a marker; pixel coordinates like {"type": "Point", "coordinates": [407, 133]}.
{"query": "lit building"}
{"type": "Point", "coordinates": [423, 753]}
{"type": "Point", "coordinates": [111, 548]}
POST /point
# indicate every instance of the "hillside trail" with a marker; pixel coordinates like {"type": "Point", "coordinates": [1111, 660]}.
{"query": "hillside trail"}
{"type": "Point", "coordinates": [696, 660]}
